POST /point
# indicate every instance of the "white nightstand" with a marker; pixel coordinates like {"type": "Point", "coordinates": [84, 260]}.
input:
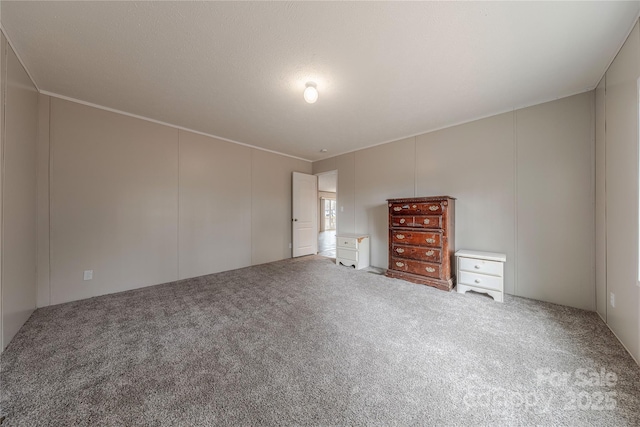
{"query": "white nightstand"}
{"type": "Point", "coordinates": [352, 250]}
{"type": "Point", "coordinates": [481, 272]}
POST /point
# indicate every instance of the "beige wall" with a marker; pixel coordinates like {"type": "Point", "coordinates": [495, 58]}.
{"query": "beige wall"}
{"type": "Point", "coordinates": [42, 173]}
{"type": "Point", "coordinates": [19, 147]}
{"type": "Point", "coordinates": [474, 162]}
{"type": "Point", "coordinates": [271, 178]}
{"type": "Point", "coordinates": [114, 202]}
{"type": "Point", "coordinates": [215, 205]}
{"type": "Point", "coordinates": [621, 198]}
{"type": "Point", "coordinates": [510, 173]}
{"type": "Point", "coordinates": [382, 172]}
{"type": "Point", "coordinates": [3, 79]}
{"type": "Point", "coordinates": [601, 211]}
{"type": "Point", "coordinates": [141, 203]}
{"type": "Point", "coordinates": [346, 194]}
{"type": "Point", "coordinates": [555, 202]}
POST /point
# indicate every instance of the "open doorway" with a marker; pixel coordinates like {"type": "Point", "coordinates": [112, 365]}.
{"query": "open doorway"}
{"type": "Point", "coordinates": [327, 215]}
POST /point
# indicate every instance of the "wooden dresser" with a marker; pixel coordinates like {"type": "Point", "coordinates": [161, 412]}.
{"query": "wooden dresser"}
{"type": "Point", "coordinates": [422, 240]}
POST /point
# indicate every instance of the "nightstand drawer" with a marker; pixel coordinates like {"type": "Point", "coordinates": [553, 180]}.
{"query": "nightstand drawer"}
{"type": "Point", "coordinates": [352, 250]}
{"type": "Point", "coordinates": [347, 254]}
{"type": "Point", "coordinates": [480, 266]}
{"type": "Point", "coordinates": [347, 242]}
{"type": "Point", "coordinates": [480, 280]}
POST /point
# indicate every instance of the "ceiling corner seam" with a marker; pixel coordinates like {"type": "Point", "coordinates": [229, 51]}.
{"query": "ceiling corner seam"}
{"type": "Point", "coordinates": [4, 32]}
{"type": "Point", "coordinates": [171, 125]}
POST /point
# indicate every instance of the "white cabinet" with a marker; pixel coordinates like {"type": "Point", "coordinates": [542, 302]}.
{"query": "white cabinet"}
{"type": "Point", "coordinates": [352, 250]}
{"type": "Point", "coordinates": [481, 272]}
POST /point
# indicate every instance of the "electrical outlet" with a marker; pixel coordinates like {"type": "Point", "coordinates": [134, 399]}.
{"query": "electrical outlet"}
{"type": "Point", "coordinates": [88, 274]}
{"type": "Point", "coordinates": [612, 299]}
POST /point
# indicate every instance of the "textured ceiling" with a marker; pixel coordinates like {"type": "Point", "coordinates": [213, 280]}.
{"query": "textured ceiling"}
{"type": "Point", "coordinates": [328, 182]}
{"type": "Point", "coordinates": [384, 70]}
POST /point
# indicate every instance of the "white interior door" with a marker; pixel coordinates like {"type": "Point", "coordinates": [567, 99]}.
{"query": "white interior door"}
{"type": "Point", "coordinates": [305, 211]}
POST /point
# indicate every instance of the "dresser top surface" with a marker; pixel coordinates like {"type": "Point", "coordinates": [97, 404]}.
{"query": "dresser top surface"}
{"type": "Point", "coordinates": [421, 199]}
{"type": "Point", "coordinates": [489, 256]}
{"type": "Point", "coordinates": [352, 235]}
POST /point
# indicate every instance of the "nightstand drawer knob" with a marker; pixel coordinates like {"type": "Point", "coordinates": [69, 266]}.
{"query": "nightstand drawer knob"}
{"type": "Point", "coordinates": [430, 269]}
{"type": "Point", "coordinates": [434, 208]}
{"type": "Point", "coordinates": [429, 253]}
{"type": "Point", "coordinates": [400, 250]}
{"type": "Point", "coordinates": [402, 221]}
{"type": "Point", "coordinates": [397, 209]}
{"type": "Point", "coordinates": [400, 236]}
{"type": "Point", "coordinates": [431, 240]}
{"type": "Point", "coordinates": [400, 264]}
{"type": "Point", "coordinates": [426, 221]}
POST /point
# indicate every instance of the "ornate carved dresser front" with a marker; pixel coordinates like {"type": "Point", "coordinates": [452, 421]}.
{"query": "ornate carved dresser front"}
{"type": "Point", "coordinates": [422, 240]}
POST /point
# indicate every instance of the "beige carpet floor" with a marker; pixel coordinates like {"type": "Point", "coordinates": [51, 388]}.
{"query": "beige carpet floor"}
{"type": "Point", "coordinates": [306, 342]}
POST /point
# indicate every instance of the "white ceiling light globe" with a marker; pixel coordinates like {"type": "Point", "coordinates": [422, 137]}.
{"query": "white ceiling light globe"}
{"type": "Point", "coordinates": [311, 93]}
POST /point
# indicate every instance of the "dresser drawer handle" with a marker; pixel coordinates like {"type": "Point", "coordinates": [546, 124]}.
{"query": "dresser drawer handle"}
{"type": "Point", "coordinates": [402, 221]}
{"type": "Point", "coordinates": [400, 264]}
{"type": "Point", "coordinates": [400, 250]}
{"type": "Point", "coordinates": [430, 240]}
{"type": "Point", "coordinates": [434, 208]}
{"type": "Point", "coordinates": [399, 236]}
{"type": "Point", "coordinates": [397, 209]}
{"type": "Point", "coordinates": [477, 280]}
{"type": "Point", "coordinates": [477, 267]}
{"type": "Point", "coordinates": [430, 269]}
{"type": "Point", "coordinates": [426, 221]}
{"type": "Point", "coordinates": [429, 253]}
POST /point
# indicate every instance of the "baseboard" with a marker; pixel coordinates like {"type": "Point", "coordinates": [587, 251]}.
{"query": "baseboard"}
{"type": "Point", "coordinates": [618, 338]}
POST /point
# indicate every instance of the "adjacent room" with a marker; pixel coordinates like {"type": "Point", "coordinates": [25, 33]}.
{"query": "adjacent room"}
{"type": "Point", "coordinates": [319, 213]}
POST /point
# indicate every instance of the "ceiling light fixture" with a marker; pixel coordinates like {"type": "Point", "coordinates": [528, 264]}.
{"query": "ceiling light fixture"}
{"type": "Point", "coordinates": [311, 93]}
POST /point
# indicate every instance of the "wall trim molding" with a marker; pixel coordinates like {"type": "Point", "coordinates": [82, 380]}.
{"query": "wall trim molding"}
{"type": "Point", "coordinates": [113, 110]}
{"type": "Point", "coordinates": [136, 116]}
{"type": "Point", "coordinates": [464, 122]}
{"type": "Point", "coordinates": [618, 338]}
{"type": "Point", "coordinates": [6, 36]}
{"type": "Point", "coordinates": [604, 72]}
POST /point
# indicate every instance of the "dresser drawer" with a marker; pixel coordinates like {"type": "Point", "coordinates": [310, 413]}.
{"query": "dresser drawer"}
{"type": "Point", "coordinates": [480, 266]}
{"type": "Point", "coordinates": [347, 242]}
{"type": "Point", "coordinates": [416, 238]}
{"type": "Point", "coordinates": [420, 254]}
{"type": "Point", "coordinates": [415, 208]}
{"type": "Point", "coordinates": [418, 221]}
{"type": "Point", "coordinates": [480, 280]}
{"type": "Point", "coordinates": [416, 267]}
{"type": "Point", "coordinates": [347, 254]}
